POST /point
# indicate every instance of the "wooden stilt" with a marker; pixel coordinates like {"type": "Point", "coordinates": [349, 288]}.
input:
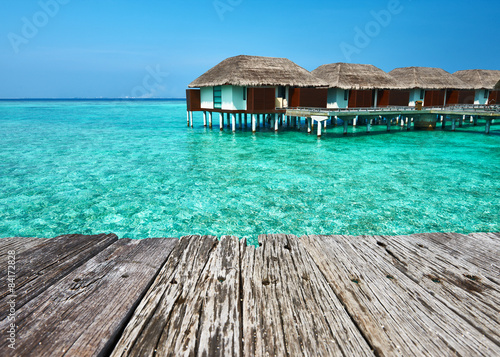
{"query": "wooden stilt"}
{"type": "Point", "coordinates": [188, 118]}
{"type": "Point", "coordinates": [309, 125]}
{"type": "Point", "coordinates": [233, 122]}
{"type": "Point", "coordinates": [210, 120]}
{"type": "Point", "coordinates": [355, 121]}
{"type": "Point", "coordinates": [191, 118]}
{"type": "Point", "coordinates": [474, 118]}
{"type": "Point", "coordinates": [461, 122]}
{"type": "Point", "coordinates": [443, 123]}
{"type": "Point", "coordinates": [254, 124]}
{"type": "Point", "coordinates": [368, 125]}
{"type": "Point", "coordinates": [204, 118]}
{"type": "Point", "coordinates": [389, 122]}
{"type": "Point", "coordinates": [346, 122]}
{"type": "Point", "coordinates": [246, 120]}
{"type": "Point", "coordinates": [319, 129]}
{"type": "Point", "coordinates": [276, 122]}
{"type": "Point", "coordinates": [240, 121]}
{"type": "Point", "coordinates": [221, 121]}
{"type": "Point", "coordinates": [453, 124]}
{"type": "Point", "coordinates": [487, 127]}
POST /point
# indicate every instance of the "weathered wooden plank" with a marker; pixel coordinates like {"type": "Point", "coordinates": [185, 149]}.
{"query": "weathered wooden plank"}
{"type": "Point", "coordinates": [478, 249]}
{"type": "Point", "coordinates": [450, 279]}
{"type": "Point", "coordinates": [18, 244]}
{"type": "Point", "coordinates": [397, 315]}
{"type": "Point", "coordinates": [288, 306]}
{"type": "Point", "coordinates": [83, 314]}
{"type": "Point", "coordinates": [167, 320]}
{"type": "Point", "coordinates": [41, 266]}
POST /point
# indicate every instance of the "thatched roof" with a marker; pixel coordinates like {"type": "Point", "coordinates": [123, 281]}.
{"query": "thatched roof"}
{"type": "Point", "coordinates": [497, 86]}
{"type": "Point", "coordinates": [426, 78]}
{"type": "Point", "coordinates": [355, 76]}
{"type": "Point", "coordinates": [479, 78]}
{"type": "Point", "coordinates": [257, 71]}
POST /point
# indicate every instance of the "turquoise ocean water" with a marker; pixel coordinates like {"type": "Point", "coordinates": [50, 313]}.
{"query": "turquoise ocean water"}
{"type": "Point", "coordinates": [135, 169]}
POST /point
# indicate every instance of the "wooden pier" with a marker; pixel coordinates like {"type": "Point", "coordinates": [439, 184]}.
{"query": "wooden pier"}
{"type": "Point", "coordinates": [420, 295]}
{"type": "Point", "coordinates": [407, 117]}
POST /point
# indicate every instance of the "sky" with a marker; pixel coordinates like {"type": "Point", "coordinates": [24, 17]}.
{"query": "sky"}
{"type": "Point", "coordinates": [155, 48]}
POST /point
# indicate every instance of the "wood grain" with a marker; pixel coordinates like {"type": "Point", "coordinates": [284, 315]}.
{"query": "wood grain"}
{"type": "Point", "coordinates": [84, 312]}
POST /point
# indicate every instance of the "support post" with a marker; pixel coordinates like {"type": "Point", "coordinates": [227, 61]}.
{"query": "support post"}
{"type": "Point", "coordinates": [254, 119]}
{"type": "Point", "coordinates": [246, 120]}
{"type": "Point", "coordinates": [276, 122]}
{"type": "Point", "coordinates": [319, 129]}
{"type": "Point", "coordinates": [210, 120]}
{"type": "Point", "coordinates": [204, 118]}
{"type": "Point", "coordinates": [187, 118]}
{"type": "Point", "coordinates": [389, 124]}
{"type": "Point", "coordinates": [453, 124]}
{"type": "Point", "coordinates": [221, 121]}
{"type": "Point", "coordinates": [461, 122]}
{"type": "Point", "coordinates": [233, 122]}
{"type": "Point", "coordinates": [308, 125]}
{"type": "Point", "coordinates": [355, 121]}
{"type": "Point", "coordinates": [191, 118]}
{"type": "Point", "coordinates": [345, 125]}
{"type": "Point", "coordinates": [475, 120]}
{"type": "Point", "coordinates": [299, 119]}
{"type": "Point", "coordinates": [487, 127]}
{"type": "Point", "coordinates": [368, 125]}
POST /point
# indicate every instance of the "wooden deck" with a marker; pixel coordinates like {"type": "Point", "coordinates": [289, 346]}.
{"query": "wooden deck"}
{"type": "Point", "coordinates": [420, 295]}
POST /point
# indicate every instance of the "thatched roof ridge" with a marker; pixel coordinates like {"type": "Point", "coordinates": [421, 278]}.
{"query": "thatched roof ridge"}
{"type": "Point", "coordinates": [426, 78]}
{"type": "Point", "coordinates": [355, 76]}
{"type": "Point", "coordinates": [257, 71]}
{"type": "Point", "coordinates": [479, 78]}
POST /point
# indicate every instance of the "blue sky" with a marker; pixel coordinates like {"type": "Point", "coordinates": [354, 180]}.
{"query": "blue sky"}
{"type": "Point", "coordinates": [154, 48]}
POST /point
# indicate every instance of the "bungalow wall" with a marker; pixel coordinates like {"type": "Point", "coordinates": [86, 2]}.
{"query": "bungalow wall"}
{"type": "Point", "coordinates": [388, 97]}
{"type": "Point", "coordinates": [494, 97]}
{"type": "Point", "coordinates": [261, 100]}
{"type": "Point", "coordinates": [360, 99]}
{"type": "Point", "coordinates": [337, 98]}
{"type": "Point", "coordinates": [207, 97]}
{"type": "Point", "coordinates": [481, 96]}
{"type": "Point", "coordinates": [456, 96]}
{"type": "Point", "coordinates": [193, 100]}
{"type": "Point", "coordinates": [434, 98]}
{"type": "Point", "coordinates": [308, 97]}
{"type": "Point", "coordinates": [234, 98]}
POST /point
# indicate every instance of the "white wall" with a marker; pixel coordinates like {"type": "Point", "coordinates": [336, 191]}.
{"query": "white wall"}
{"type": "Point", "coordinates": [336, 98]}
{"type": "Point", "coordinates": [207, 97]}
{"type": "Point", "coordinates": [232, 98]}
{"type": "Point", "coordinates": [479, 97]}
{"type": "Point", "coordinates": [414, 96]}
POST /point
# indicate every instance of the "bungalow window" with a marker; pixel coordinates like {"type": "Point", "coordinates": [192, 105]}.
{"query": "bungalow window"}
{"type": "Point", "coordinates": [218, 97]}
{"type": "Point", "coordinates": [486, 94]}
{"type": "Point", "coordinates": [346, 94]}
{"type": "Point", "coordinates": [422, 92]}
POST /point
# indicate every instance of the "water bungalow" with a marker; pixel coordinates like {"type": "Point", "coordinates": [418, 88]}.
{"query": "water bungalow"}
{"type": "Point", "coordinates": [249, 85]}
{"type": "Point", "coordinates": [358, 86]}
{"type": "Point", "coordinates": [428, 85]}
{"type": "Point", "coordinates": [276, 91]}
{"type": "Point", "coordinates": [481, 85]}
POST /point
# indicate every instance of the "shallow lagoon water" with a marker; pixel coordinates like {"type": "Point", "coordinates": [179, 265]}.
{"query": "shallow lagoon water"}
{"type": "Point", "coordinates": [135, 169]}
